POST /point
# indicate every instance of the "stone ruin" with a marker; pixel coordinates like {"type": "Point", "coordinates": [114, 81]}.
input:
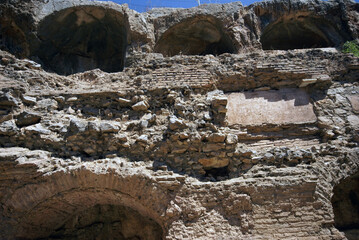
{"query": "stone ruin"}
{"type": "Point", "coordinates": [215, 122]}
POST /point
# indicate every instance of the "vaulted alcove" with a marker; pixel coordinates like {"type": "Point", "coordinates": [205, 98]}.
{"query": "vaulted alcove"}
{"type": "Point", "coordinates": [199, 35]}
{"type": "Point", "coordinates": [13, 26]}
{"type": "Point", "coordinates": [108, 222]}
{"type": "Point", "coordinates": [83, 38]}
{"type": "Point", "coordinates": [345, 203]}
{"type": "Point", "coordinates": [86, 205]}
{"type": "Point", "coordinates": [299, 32]}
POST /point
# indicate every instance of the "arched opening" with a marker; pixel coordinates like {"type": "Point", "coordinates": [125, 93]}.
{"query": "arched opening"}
{"type": "Point", "coordinates": [82, 204]}
{"type": "Point", "coordinates": [83, 38]}
{"type": "Point", "coordinates": [108, 222]}
{"type": "Point", "coordinates": [89, 214]}
{"type": "Point", "coordinates": [300, 32]}
{"type": "Point", "coordinates": [217, 174]}
{"type": "Point", "coordinates": [12, 38]}
{"type": "Point", "coordinates": [199, 35]}
{"type": "Point", "coordinates": [345, 203]}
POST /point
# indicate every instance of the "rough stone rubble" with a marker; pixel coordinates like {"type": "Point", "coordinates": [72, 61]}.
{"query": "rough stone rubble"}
{"type": "Point", "coordinates": [186, 129]}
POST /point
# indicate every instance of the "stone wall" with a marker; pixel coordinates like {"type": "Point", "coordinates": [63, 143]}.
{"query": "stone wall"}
{"type": "Point", "coordinates": [250, 145]}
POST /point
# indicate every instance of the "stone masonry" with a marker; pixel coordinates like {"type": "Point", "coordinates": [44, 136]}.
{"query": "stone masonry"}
{"type": "Point", "coordinates": [215, 122]}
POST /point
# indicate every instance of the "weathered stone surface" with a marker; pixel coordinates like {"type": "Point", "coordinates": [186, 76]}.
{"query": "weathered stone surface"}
{"type": "Point", "coordinates": [216, 137]}
{"type": "Point", "coordinates": [287, 106]}
{"type": "Point", "coordinates": [141, 106]}
{"type": "Point", "coordinates": [214, 162]}
{"type": "Point", "coordinates": [29, 100]}
{"type": "Point", "coordinates": [48, 104]}
{"type": "Point", "coordinates": [109, 128]}
{"type": "Point", "coordinates": [354, 101]}
{"type": "Point", "coordinates": [354, 121]}
{"type": "Point", "coordinates": [7, 100]}
{"type": "Point", "coordinates": [176, 167]}
{"type": "Point", "coordinates": [175, 123]}
{"type": "Point", "coordinates": [8, 128]}
{"type": "Point", "coordinates": [78, 126]}
{"type": "Point", "coordinates": [37, 129]}
{"type": "Point", "coordinates": [27, 118]}
{"type": "Point", "coordinates": [124, 101]}
{"type": "Point", "coordinates": [306, 82]}
{"type": "Point", "coordinates": [212, 147]}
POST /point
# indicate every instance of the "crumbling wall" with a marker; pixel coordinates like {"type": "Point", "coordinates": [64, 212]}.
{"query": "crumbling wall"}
{"type": "Point", "coordinates": [231, 146]}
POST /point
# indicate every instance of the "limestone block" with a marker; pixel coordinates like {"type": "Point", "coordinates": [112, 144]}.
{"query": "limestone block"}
{"type": "Point", "coordinates": [29, 100]}
{"type": "Point", "coordinates": [77, 126]}
{"type": "Point", "coordinates": [38, 129]}
{"type": "Point", "coordinates": [8, 128]}
{"type": "Point", "coordinates": [306, 82]}
{"type": "Point", "coordinates": [354, 101]}
{"type": "Point", "coordinates": [107, 127]}
{"type": "Point", "coordinates": [141, 106]}
{"type": "Point", "coordinates": [214, 162]}
{"type": "Point", "coordinates": [285, 106]}
{"type": "Point", "coordinates": [212, 147]}
{"type": "Point", "coordinates": [124, 101]}
{"type": "Point", "coordinates": [216, 137]}
{"type": "Point", "coordinates": [354, 121]}
{"type": "Point", "coordinates": [27, 118]}
{"type": "Point", "coordinates": [7, 100]}
{"type": "Point", "coordinates": [47, 104]}
{"type": "Point", "coordinates": [176, 123]}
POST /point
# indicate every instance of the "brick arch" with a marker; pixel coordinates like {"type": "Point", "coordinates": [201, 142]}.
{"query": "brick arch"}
{"type": "Point", "coordinates": [41, 209]}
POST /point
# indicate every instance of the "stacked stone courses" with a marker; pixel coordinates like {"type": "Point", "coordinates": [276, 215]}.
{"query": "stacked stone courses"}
{"type": "Point", "coordinates": [215, 122]}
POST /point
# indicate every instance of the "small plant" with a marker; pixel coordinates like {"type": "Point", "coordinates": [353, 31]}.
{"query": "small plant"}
{"type": "Point", "coordinates": [351, 47]}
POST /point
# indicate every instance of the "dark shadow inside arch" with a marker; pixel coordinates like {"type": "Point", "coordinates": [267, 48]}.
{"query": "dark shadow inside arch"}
{"type": "Point", "coordinates": [199, 35]}
{"type": "Point", "coordinates": [83, 38]}
{"type": "Point", "coordinates": [217, 174]}
{"type": "Point", "coordinates": [301, 32]}
{"type": "Point", "coordinates": [108, 222]}
{"type": "Point", "coordinates": [345, 203]}
{"type": "Point", "coordinates": [100, 221]}
{"type": "Point", "coordinates": [12, 38]}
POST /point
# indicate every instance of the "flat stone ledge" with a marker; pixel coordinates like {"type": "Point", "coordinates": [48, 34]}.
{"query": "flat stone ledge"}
{"type": "Point", "coordinates": [285, 106]}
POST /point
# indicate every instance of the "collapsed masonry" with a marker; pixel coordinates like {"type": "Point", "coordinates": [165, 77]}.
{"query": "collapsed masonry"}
{"type": "Point", "coordinates": [199, 123]}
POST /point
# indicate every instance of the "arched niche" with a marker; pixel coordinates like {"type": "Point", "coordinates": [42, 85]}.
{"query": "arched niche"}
{"type": "Point", "coordinates": [12, 38]}
{"type": "Point", "coordinates": [345, 202]}
{"type": "Point", "coordinates": [108, 222]}
{"type": "Point", "coordinates": [88, 214]}
{"type": "Point", "coordinates": [83, 38]}
{"type": "Point", "coordinates": [84, 205]}
{"type": "Point", "coordinates": [199, 35]}
{"type": "Point", "coordinates": [298, 32]}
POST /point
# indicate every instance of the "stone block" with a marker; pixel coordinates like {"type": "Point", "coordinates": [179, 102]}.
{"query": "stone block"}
{"type": "Point", "coordinates": [285, 106]}
{"type": "Point", "coordinates": [29, 100]}
{"type": "Point", "coordinates": [216, 137]}
{"type": "Point", "coordinates": [176, 123]}
{"type": "Point", "coordinates": [37, 129]}
{"type": "Point", "coordinates": [306, 82]}
{"type": "Point", "coordinates": [214, 162]}
{"type": "Point", "coordinates": [354, 101]}
{"type": "Point", "coordinates": [141, 106]}
{"type": "Point", "coordinates": [27, 118]}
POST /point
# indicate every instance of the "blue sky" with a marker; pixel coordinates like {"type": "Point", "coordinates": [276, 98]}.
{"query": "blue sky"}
{"type": "Point", "coordinates": [143, 5]}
